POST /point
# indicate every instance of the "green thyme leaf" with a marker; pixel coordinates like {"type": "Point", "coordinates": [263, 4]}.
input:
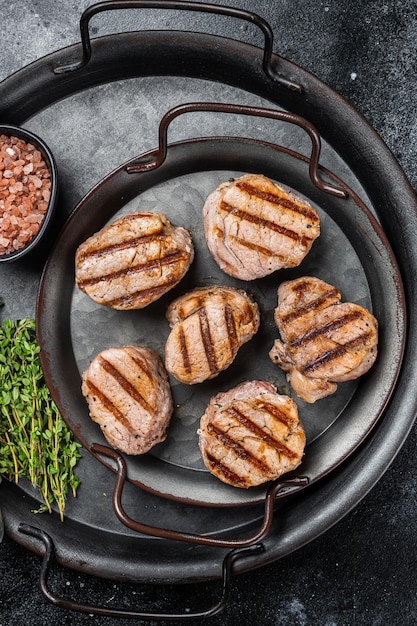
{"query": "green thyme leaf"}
{"type": "Point", "coordinates": [35, 442]}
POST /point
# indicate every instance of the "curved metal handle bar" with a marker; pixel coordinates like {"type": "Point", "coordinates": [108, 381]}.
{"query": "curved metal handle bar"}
{"type": "Point", "coordinates": [220, 107]}
{"type": "Point", "coordinates": [164, 533]}
{"type": "Point", "coordinates": [248, 16]}
{"type": "Point", "coordinates": [71, 605]}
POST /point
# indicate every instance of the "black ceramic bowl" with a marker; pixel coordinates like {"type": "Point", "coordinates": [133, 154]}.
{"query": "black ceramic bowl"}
{"type": "Point", "coordinates": [28, 137]}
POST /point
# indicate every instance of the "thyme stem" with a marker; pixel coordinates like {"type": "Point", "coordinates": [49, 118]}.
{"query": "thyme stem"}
{"type": "Point", "coordinates": [35, 442]}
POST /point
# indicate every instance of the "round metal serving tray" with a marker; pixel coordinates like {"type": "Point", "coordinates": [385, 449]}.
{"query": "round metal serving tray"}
{"type": "Point", "coordinates": [351, 252]}
{"type": "Point", "coordinates": [91, 539]}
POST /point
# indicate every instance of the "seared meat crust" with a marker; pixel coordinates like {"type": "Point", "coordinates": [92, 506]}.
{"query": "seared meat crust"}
{"type": "Point", "coordinates": [254, 227]}
{"type": "Point", "coordinates": [133, 261]}
{"type": "Point", "coordinates": [250, 435]}
{"type": "Point", "coordinates": [209, 325]}
{"type": "Point", "coordinates": [129, 396]}
{"type": "Point", "coordinates": [323, 341]}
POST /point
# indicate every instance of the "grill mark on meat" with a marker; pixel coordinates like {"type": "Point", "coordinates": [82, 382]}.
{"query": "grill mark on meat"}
{"type": "Point", "coordinates": [183, 312]}
{"type": "Point", "coordinates": [360, 340]}
{"type": "Point", "coordinates": [126, 385]}
{"type": "Point", "coordinates": [122, 245]}
{"type": "Point", "coordinates": [219, 468]}
{"type": "Point", "coordinates": [170, 259]}
{"type": "Point", "coordinates": [109, 406]}
{"type": "Point", "coordinates": [238, 449]}
{"type": "Point", "coordinates": [256, 248]}
{"type": "Point", "coordinates": [278, 200]}
{"type": "Point", "coordinates": [259, 221]}
{"type": "Point", "coordinates": [142, 364]}
{"type": "Point", "coordinates": [150, 293]}
{"type": "Point", "coordinates": [313, 333]}
{"type": "Point", "coordinates": [276, 412]}
{"type": "Point", "coordinates": [231, 328]}
{"type": "Point", "coordinates": [184, 352]}
{"type": "Point", "coordinates": [259, 432]}
{"type": "Point", "coordinates": [207, 340]}
{"type": "Point", "coordinates": [331, 355]}
{"type": "Point", "coordinates": [249, 245]}
{"type": "Point", "coordinates": [314, 304]}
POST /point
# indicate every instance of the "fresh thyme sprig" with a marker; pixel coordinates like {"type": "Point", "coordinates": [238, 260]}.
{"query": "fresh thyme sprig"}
{"type": "Point", "coordinates": [35, 442]}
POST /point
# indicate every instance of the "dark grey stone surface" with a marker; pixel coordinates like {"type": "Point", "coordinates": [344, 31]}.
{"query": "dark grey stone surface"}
{"type": "Point", "coordinates": [361, 571]}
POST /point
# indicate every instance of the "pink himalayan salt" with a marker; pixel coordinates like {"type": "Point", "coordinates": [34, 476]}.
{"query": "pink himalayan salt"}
{"type": "Point", "coordinates": [25, 190]}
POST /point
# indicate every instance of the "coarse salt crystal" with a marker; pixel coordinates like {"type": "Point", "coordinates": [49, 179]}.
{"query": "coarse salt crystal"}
{"type": "Point", "coordinates": [36, 181]}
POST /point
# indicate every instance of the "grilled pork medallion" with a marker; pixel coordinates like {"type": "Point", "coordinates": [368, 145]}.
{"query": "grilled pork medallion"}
{"type": "Point", "coordinates": [133, 261]}
{"type": "Point", "coordinates": [323, 341]}
{"type": "Point", "coordinates": [129, 396]}
{"type": "Point", "coordinates": [254, 227]}
{"type": "Point", "coordinates": [209, 325]}
{"type": "Point", "coordinates": [251, 434]}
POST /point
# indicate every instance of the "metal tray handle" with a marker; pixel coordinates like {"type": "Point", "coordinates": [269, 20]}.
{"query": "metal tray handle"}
{"type": "Point", "coordinates": [280, 486]}
{"type": "Point", "coordinates": [221, 107]}
{"type": "Point", "coordinates": [203, 7]}
{"type": "Point", "coordinates": [70, 605]}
